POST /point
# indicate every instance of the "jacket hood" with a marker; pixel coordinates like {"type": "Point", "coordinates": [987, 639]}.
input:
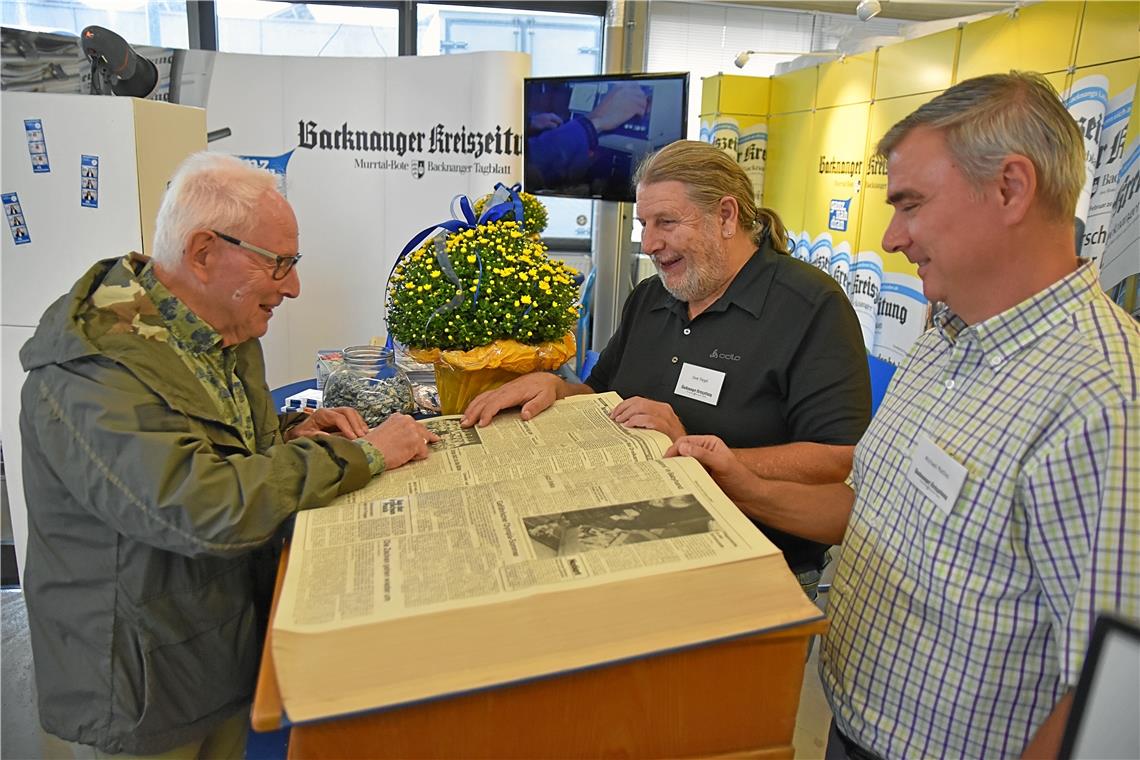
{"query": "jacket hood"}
{"type": "Point", "coordinates": [75, 328]}
{"type": "Point", "coordinates": [58, 337]}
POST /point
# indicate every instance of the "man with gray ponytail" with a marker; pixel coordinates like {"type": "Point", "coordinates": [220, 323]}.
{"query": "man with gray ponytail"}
{"type": "Point", "coordinates": [734, 338]}
{"type": "Point", "coordinates": [157, 473]}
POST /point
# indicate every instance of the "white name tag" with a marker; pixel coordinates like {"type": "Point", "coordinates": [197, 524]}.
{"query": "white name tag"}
{"type": "Point", "coordinates": [699, 383]}
{"type": "Point", "coordinates": [934, 472]}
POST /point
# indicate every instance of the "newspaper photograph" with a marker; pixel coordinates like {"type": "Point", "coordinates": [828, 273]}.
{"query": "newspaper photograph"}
{"type": "Point", "coordinates": [583, 530]}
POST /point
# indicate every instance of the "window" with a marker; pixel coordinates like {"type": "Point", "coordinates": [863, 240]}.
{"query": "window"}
{"type": "Point", "coordinates": [316, 29]}
{"type": "Point", "coordinates": [162, 23]}
{"type": "Point", "coordinates": [705, 39]}
{"type": "Point", "coordinates": [559, 44]}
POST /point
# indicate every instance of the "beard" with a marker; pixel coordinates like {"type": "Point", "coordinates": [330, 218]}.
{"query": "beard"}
{"type": "Point", "coordinates": [705, 266]}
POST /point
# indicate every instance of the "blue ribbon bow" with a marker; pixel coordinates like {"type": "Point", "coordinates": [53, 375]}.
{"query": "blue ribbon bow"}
{"type": "Point", "coordinates": [505, 200]}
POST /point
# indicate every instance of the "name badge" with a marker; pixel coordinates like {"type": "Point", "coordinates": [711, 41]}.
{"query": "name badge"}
{"type": "Point", "coordinates": [699, 383]}
{"type": "Point", "coordinates": [934, 472]}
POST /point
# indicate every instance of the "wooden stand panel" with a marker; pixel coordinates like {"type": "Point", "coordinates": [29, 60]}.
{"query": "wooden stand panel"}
{"type": "Point", "coordinates": [733, 699]}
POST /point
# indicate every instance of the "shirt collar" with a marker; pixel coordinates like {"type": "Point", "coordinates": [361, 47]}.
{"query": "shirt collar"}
{"type": "Point", "coordinates": [747, 290]}
{"type": "Point", "coordinates": [1003, 335]}
{"type": "Point", "coordinates": [190, 332]}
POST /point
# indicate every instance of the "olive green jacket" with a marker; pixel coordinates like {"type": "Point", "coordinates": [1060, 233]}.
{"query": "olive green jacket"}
{"type": "Point", "coordinates": [150, 523]}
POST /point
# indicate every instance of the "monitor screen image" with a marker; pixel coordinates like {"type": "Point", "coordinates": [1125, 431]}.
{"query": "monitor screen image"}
{"type": "Point", "coordinates": [586, 135]}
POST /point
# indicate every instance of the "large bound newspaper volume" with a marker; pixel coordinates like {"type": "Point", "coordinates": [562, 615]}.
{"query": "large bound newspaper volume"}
{"type": "Point", "coordinates": [516, 551]}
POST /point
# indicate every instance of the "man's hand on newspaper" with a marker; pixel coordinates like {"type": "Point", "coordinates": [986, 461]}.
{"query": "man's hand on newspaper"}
{"type": "Point", "coordinates": [736, 480]}
{"type": "Point", "coordinates": [534, 393]}
{"type": "Point", "coordinates": [401, 439]}
{"type": "Point", "coordinates": [638, 412]}
{"type": "Point", "coordinates": [340, 420]}
{"type": "Point", "coordinates": [620, 104]}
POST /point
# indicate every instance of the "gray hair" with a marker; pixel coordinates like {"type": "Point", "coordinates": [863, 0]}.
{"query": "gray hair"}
{"type": "Point", "coordinates": [990, 117]}
{"type": "Point", "coordinates": [209, 191]}
{"type": "Point", "coordinates": [710, 174]}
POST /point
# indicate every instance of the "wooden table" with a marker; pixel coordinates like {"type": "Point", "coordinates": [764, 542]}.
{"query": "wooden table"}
{"type": "Point", "coordinates": [732, 699]}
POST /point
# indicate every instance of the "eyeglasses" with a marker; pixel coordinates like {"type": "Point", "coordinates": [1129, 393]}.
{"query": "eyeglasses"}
{"type": "Point", "coordinates": [282, 265]}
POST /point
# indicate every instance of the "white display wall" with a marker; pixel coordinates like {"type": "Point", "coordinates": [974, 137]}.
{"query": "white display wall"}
{"type": "Point", "coordinates": [358, 207]}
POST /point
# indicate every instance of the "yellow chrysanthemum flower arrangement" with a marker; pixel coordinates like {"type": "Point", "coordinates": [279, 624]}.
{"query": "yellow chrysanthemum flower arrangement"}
{"type": "Point", "coordinates": [506, 285]}
{"type": "Point", "coordinates": [486, 297]}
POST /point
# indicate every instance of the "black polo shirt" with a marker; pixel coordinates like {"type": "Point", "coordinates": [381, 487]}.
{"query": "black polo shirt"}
{"type": "Point", "coordinates": [789, 345]}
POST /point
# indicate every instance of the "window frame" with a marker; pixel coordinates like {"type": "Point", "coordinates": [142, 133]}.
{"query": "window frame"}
{"type": "Point", "coordinates": [202, 34]}
{"type": "Point", "coordinates": [202, 19]}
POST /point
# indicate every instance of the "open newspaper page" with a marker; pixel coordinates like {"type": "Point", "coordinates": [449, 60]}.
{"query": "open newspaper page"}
{"type": "Point", "coordinates": [575, 433]}
{"type": "Point", "coordinates": [362, 561]}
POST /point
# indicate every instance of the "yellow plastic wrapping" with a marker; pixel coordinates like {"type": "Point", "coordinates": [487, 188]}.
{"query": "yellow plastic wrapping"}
{"type": "Point", "coordinates": [462, 375]}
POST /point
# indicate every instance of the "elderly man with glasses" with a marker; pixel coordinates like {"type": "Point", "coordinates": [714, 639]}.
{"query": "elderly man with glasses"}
{"type": "Point", "coordinates": [157, 473]}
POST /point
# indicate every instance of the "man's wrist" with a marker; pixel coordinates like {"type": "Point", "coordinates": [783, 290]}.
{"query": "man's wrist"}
{"type": "Point", "coordinates": [591, 130]}
{"type": "Point", "coordinates": [559, 385]}
{"type": "Point", "coordinates": [374, 456]}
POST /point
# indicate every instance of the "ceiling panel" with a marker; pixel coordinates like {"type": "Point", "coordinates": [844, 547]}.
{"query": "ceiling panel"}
{"type": "Point", "coordinates": [906, 10]}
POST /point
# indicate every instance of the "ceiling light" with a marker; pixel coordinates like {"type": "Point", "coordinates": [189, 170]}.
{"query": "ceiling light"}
{"type": "Point", "coordinates": [868, 9]}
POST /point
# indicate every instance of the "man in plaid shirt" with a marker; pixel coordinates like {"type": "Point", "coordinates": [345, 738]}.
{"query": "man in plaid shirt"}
{"type": "Point", "coordinates": [994, 504]}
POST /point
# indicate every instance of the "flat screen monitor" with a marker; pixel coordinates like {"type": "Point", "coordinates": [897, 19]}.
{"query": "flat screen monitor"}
{"type": "Point", "coordinates": [586, 135]}
{"type": "Point", "coordinates": [1102, 723]}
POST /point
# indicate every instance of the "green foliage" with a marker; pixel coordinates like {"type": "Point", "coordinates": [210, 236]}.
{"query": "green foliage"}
{"type": "Point", "coordinates": [522, 293]}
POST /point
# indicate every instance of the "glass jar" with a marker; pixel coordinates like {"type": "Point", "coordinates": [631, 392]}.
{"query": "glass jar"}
{"type": "Point", "coordinates": [423, 380]}
{"type": "Point", "coordinates": [370, 382]}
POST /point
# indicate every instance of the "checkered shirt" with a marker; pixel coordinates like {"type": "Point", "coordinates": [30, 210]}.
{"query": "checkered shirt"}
{"type": "Point", "coordinates": [954, 633]}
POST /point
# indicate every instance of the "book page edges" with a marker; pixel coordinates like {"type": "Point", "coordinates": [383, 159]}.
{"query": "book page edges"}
{"type": "Point", "coordinates": [420, 657]}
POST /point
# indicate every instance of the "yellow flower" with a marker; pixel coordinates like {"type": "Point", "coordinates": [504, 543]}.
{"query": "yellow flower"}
{"type": "Point", "coordinates": [435, 273]}
{"type": "Point", "coordinates": [471, 259]}
{"type": "Point", "coordinates": [409, 286]}
{"type": "Point", "coordinates": [525, 299]}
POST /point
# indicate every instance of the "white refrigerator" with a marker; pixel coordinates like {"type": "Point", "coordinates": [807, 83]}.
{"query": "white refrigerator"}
{"type": "Point", "coordinates": [81, 180]}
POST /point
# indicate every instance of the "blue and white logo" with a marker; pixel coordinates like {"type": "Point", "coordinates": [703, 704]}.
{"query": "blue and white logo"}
{"type": "Point", "coordinates": [838, 213]}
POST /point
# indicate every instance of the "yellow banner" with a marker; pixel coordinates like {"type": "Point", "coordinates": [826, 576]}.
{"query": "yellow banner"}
{"type": "Point", "coordinates": [834, 172]}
